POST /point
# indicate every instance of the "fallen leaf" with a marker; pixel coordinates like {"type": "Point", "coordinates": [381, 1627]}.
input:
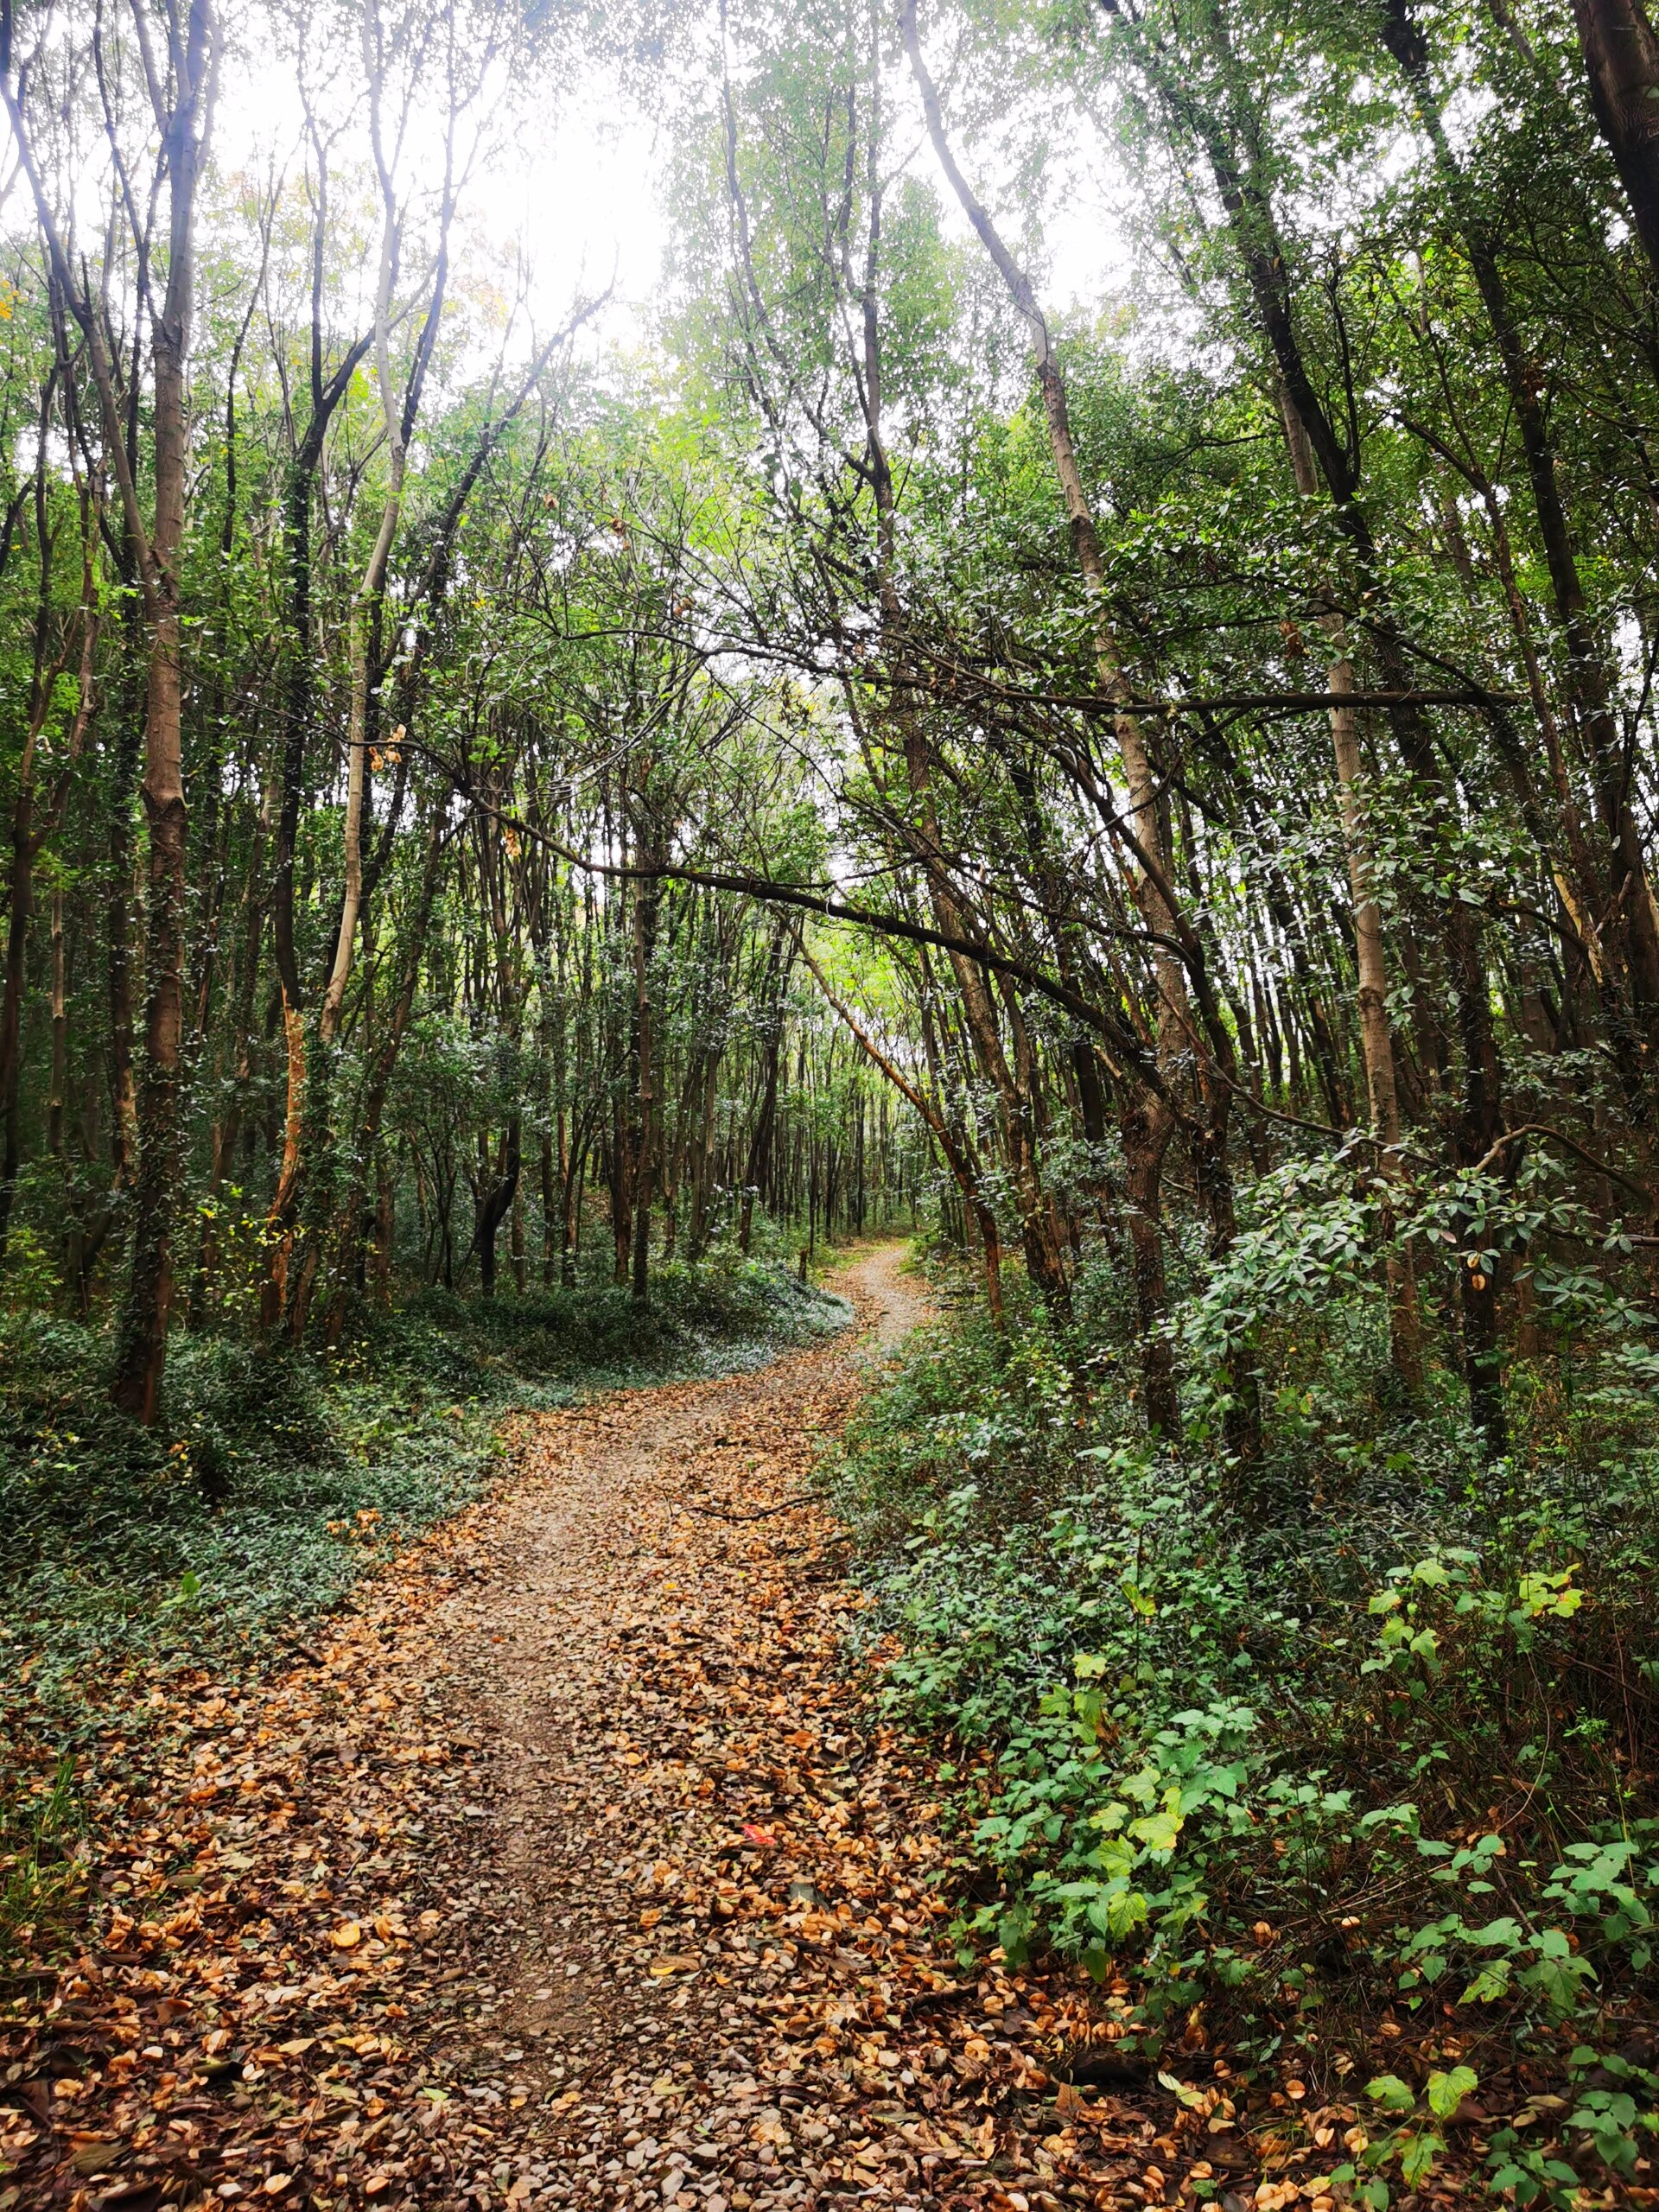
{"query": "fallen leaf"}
{"type": "Point", "coordinates": [95, 2157]}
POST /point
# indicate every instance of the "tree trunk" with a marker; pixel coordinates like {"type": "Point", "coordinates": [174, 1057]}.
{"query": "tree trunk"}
{"type": "Point", "coordinates": [497, 1204]}
{"type": "Point", "coordinates": [647, 907]}
{"type": "Point", "coordinates": [1621, 60]}
{"type": "Point", "coordinates": [759, 1164]}
{"type": "Point", "coordinates": [1629, 915]}
{"type": "Point", "coordinates": [1376, 1037]}
{"type": "Point", "coordinates": [1146, 1129]}
{"type": "Point", "coordinates": [1254, 230]}
{"type": "Point", "coordinates": [142, 1338]}
{"type": "Point", "coordinates": [368, 1147]}
{"type": "Point", "coordinates": [22, 901]}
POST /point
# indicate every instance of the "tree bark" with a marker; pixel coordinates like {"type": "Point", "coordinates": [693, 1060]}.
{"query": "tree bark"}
{"type": "Point", "coordinates": [1621, 61]}
{"type": "Point", "coordinates": [1376, 1036]}
{"type": "Point", "coordinates": [1254, 230]}
{"type": "Point", "coordinates": [140, 1350]}
{"type": "Point", "coordinates": [646, 909]}
{"type": "Point", "coordinates": [1628, 918]}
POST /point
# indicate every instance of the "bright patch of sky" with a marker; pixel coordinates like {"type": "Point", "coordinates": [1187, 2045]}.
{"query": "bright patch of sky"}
{"type": "Point", "coordinates": [568, 197]}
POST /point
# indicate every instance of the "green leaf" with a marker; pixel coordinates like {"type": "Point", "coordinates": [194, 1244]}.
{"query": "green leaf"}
{"type": "Point", "coordinates": [1418, 2157]}
{"type": "Point", "coordinates": [1489, 1985]}
{"type": "Point", "coordinates": [1448, 2091]}
{"type": "Point", "coordinates": [1192, 2098]}
{"type": "Point", "coordinates": [1391, 2093]}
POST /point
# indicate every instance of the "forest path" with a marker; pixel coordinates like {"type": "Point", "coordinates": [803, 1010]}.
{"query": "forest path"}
{"type": "Point", "coordinates": [574, 1865]}
{"type": "Point", "coordinates": [712, 1977]}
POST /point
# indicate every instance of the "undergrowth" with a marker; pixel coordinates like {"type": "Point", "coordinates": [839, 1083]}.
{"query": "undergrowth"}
{"type": "Point", "coordinates": [1352, 1748]}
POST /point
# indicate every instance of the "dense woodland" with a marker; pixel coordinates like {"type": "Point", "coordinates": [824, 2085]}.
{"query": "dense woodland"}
{"type": "Point", "coordinates": [1234, 748]}
{"type": "Point", "coordinates": [1156, 794]}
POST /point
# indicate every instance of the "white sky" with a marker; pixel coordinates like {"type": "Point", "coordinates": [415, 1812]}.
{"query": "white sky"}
{"type": "Point", "coordinates": [583, 195]}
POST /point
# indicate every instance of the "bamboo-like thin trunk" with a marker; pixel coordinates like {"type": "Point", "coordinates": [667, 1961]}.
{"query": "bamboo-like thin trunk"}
{"type": "Point", "coordinates": [1376, 1036]}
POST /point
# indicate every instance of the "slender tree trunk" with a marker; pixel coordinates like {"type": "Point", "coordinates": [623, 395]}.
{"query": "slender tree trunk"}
{"type": "Point", "coordinates": [297, 714]}
{"type": "Point", "coordinates": [117, 922]}
{"type": "Point", "coordinates": [348, 1222]}
{"type": "Point", "coordinates": [54, 1102]}
{"type": "Point", "coordinates": [228, 1126]}
{"type": "Point", "coordinates": [140, 1351]}
{"type": "Point", "coordinates": [1254, 230]}
{"type": "Point", "coordinates": [385, 1219]}
{"type": "Point", "coordinates": [570, 1215]}
{"type": "Point", "coordinates": [32, 823]}
{"type": "Point", "coordinates": [1376, 1036]}
{"type": "Point", "coordinates": [1146, 1134]}
{"type": "Point", "coordinates": [1629, 915]}
{"type": "Point", "coordinates": [759, 1163]}
{"type": "Point", "coordinates": [1177, 1036]}
{"type": "Point", "coordinates": [549, 1218]}
{"type": "Point", "coordinates": [646, 908]}
{"type": "Point", "coordinates": [498, 1202]}
{"type": "Point", "coordinates": [20, 890]}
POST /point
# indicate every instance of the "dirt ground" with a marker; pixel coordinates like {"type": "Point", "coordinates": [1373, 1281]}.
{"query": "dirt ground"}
{"type": "Point", "coordinates": [579, 1867]}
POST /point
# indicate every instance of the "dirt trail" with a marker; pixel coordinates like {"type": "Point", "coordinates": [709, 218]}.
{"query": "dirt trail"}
{"type": "Point", "coordinates": [578, 1869]}
{"type": "Point", "coordinates": [728, 1989]}
{"type": "Point", "coordinates": [610, 1572]}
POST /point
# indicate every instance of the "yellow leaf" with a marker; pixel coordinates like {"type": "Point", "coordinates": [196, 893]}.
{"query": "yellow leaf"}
{"type": "Point", "coordinates": [347, 1936]}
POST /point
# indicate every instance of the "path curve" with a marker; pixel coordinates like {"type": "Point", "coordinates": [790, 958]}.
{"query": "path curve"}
{"type": "Point", "coordinates": [574, 1865]}
{"type": "Point", "coordinates": [727, 1884]}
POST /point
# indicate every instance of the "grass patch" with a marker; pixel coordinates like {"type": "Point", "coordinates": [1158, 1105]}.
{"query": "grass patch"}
{"type": "Point", "coordinates": [41, 1880]}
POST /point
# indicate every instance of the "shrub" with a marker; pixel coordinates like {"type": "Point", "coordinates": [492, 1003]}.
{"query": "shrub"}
{"type": "Point", "coordinates": [1367, 1727]}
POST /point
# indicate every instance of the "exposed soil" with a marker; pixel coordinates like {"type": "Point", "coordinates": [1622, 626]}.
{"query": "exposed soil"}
{"type": "Point", "coordinates": [579, 1868]}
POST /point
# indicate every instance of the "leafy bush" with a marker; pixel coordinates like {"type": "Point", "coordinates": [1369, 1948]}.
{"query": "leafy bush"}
{"type": "Point", "coordinates": [1365, 1728]}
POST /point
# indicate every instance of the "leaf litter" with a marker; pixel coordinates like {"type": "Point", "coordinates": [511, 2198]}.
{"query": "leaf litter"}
{"type": "Point", "coordinates": [575, 1867]}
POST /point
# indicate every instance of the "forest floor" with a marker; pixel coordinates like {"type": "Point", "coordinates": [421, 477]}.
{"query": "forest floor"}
{"type": "Point", "coordinates": [575, 1865]}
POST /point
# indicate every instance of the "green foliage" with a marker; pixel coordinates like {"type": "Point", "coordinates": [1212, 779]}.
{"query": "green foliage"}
{"type": "Point", "coordinates": [1413, 2141]}
{"type": "Point", "coordinates": [39, 1870]}
{"type": "Point", "coordinates": [1245, 1731]}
